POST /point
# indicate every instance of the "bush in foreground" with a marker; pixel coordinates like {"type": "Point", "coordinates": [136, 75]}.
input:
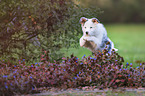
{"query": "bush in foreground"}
{"type": "Point", "coordinates": [102, 71]}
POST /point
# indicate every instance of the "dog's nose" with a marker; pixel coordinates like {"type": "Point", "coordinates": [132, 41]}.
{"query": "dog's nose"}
{"type": "Point", "coordinates": [87, 33]}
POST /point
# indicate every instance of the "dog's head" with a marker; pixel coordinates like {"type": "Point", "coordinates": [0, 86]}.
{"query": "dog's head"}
{"type": "Point", "coordinates": [89, 26]}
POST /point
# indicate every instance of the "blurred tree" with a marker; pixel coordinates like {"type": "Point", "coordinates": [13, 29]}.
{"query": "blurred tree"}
{"type": "Point", "coordinates": [118, 10]}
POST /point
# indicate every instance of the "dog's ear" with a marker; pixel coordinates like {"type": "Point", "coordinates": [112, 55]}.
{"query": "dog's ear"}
{"type": "Point", "coordinates": [83, 20]}
{"type": "Point", "coordinates": [95, 20]}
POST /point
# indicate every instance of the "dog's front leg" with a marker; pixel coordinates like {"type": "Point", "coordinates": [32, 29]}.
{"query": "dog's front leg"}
{"type": "Point", "coordinates": [93, 39]}
{"type": "Point", "coordinates": [82, 41]}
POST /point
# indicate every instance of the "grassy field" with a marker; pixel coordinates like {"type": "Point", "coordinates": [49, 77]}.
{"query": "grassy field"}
{"type": "Point", "coordinates": [128, 38]}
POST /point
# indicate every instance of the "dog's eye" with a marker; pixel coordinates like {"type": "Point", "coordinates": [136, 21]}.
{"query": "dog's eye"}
{"type": "Point", "coordinates": [90, 27]}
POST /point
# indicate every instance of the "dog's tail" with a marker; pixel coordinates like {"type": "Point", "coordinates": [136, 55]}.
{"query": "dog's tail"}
{"type": "Point", "coordinates": [115, 49]}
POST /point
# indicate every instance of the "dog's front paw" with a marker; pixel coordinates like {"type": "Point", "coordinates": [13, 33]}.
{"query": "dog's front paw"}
{"type": "Point", "coordinates": [87, 39]}
{"type": "Point", "coordinates": [84, 39]}
{"type": "Point", "coordinates": [82, 42]}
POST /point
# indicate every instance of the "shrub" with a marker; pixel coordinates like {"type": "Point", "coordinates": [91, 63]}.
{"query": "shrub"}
{"type": "Point", "coordinates": [102, 71]}
{"type": "Point", "coordinates": [28, 27]}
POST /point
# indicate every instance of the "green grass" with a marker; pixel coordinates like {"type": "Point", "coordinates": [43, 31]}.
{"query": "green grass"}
{"type": "Point", "coordinates": [129, 39]}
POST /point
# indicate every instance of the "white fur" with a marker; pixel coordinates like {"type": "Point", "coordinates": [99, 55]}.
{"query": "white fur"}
{"type": "Point", "coordinates": [96, 34]}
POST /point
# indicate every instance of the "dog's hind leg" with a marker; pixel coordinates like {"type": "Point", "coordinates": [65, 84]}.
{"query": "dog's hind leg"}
{"type": "Point", "coordinates": [110, 45]}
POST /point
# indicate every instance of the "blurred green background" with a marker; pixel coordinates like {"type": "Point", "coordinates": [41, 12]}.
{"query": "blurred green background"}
{"type": "Point", "coordinates": [28, 28]}
{"type": "Point", "coordinates": [118, 11]}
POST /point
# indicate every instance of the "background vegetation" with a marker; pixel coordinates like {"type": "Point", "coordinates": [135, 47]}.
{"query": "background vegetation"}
{"type": "Point", "coordinates": [28, 28]}
{"type": "Point", "coordinates": [116, 11]}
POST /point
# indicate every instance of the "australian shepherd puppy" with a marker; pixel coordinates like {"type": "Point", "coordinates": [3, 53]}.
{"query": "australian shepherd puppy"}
{"type": "Point", "coordinates": [95, 36]}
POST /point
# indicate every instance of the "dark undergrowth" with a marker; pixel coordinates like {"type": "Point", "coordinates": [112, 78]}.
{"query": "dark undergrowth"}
{"type": "Point", "coordinates": [102, 70]}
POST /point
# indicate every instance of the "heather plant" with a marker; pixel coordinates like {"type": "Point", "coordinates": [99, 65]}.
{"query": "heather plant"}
{"type": "Point", "coordinates": [103, 70]}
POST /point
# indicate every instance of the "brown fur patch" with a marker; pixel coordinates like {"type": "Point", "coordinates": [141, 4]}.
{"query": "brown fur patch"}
{"type": "Point", "coordinates": [94, 21]}
{"type": "Point", "coordinates": [83, 20]}
{"type": "Point", "coordinates": [91, 45]}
